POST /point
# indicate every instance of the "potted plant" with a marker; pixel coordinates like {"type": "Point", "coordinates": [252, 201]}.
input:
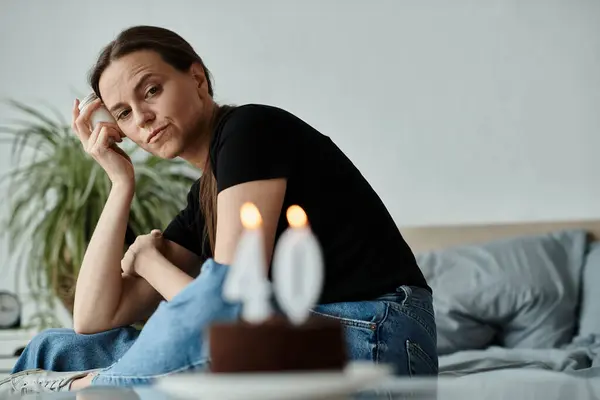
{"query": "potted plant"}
{"type": "Point", "coordinates": [56, 193]}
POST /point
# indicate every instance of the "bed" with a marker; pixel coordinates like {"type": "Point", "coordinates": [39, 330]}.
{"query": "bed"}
{"type": "Point", "coordinates": [510, 297]}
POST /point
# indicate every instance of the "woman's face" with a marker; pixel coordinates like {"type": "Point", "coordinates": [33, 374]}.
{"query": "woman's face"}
{"type": "Point", "coordinates": [163, 110]}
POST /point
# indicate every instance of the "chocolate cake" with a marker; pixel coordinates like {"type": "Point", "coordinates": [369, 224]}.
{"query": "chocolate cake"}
{"type": "Point", "coordinates": [277, 345]}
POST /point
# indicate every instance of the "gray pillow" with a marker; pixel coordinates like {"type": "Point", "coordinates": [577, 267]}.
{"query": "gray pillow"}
{"type": "Point", "coordinates": [589, 317]}
{"type": "Point", "coordinates": [520, 292]}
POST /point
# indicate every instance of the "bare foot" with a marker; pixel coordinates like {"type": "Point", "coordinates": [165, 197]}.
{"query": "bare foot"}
{"type": "Point", "coordinates": [81, 383]}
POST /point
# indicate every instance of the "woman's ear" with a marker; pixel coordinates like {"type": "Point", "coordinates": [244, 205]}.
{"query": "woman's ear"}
{"type": "Point", "coordinates": [198, 75]}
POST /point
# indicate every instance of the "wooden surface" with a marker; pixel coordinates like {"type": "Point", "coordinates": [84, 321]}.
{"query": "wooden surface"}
{"type": "Point", "coordinates": [438, 237]}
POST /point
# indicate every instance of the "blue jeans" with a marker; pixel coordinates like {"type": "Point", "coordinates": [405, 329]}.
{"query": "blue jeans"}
{"type": "Point", "coordinates": [397, 329]}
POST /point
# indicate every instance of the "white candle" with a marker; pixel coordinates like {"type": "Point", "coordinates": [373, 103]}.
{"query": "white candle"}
{"type": "Point", "coordinates": [246, 282]}
{"type": "Point", "coordinates": [297, 268]}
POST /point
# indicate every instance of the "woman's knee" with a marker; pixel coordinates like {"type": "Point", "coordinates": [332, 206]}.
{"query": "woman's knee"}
{"type": "Point", "coordinates": [43, 348]}
{"type": "Point", "coordinates": [65, 350]}
{"type": "Point", "coordinates": [50, 338]}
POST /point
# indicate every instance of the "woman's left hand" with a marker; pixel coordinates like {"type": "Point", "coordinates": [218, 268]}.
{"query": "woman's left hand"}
{"type": "Point", "coordinates": [150, 244]}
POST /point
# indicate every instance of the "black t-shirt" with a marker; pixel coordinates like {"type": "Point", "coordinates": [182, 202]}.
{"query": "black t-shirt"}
{"type": "Point", "coordinates": [364, 253]}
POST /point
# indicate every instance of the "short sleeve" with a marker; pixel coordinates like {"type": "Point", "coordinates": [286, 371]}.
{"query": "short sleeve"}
{"type": "Point", "coordinates": [185, 229]}
{"type": "Point", "coordinates": [255, 143]}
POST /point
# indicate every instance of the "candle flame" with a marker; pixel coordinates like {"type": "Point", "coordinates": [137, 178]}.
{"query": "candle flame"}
{"type": "Point", "coordinates": [250, 216]}
{"type": "Point", "coordinates": [296, 217]}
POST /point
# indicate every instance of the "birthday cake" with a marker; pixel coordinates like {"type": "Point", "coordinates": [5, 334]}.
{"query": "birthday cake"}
{"type": "Point", "coordinates": [263, 341]}
{"type": "Point", "coordinates": [277, 345]}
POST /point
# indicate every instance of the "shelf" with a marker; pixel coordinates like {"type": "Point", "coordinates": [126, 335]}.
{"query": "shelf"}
{"type": "Point", "coordinates": [16, 333]}
{"type": "Point", "coordinates": [7, 364]}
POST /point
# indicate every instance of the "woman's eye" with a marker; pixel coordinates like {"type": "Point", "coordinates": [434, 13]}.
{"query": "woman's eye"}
{"type": "Point", "coordinates": [123, 114]}
{"type": "Point", "coordinates": [152, 91]}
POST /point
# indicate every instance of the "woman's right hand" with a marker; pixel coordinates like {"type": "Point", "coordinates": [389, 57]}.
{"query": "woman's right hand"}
{"type": "Point", "coordinates": [100, 143]}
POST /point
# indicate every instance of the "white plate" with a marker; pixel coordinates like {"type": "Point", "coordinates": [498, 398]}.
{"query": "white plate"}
{"type": "Point", "coordinates": [305, 385]}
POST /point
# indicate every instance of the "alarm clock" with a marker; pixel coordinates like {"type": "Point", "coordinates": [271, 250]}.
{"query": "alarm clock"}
{"type": "Point", "coordinates": [10, 310]}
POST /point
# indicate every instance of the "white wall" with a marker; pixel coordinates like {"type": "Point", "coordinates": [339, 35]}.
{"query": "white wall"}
{"type": "Point", "coordinates": [462, 111]}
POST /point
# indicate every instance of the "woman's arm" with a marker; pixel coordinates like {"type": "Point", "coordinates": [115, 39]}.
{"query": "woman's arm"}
{"type": "Point", "coordinates": [267, 195]}
{"type": "Point", "coordinates": [161, 274]}
{"type": "Point", "coordinates": [105, 298]}
{"type": "Point", "coordinates": [139, 299]}
{"type": "Point", "coordinates": [99, 285]}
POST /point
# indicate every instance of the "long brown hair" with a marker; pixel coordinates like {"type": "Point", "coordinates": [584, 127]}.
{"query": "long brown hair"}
{"type": "Point", "coordinates": [177, 52]}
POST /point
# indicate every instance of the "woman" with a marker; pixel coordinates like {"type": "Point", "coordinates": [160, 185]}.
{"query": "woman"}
{"type": "Point", "coordinates": [160, 93]}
